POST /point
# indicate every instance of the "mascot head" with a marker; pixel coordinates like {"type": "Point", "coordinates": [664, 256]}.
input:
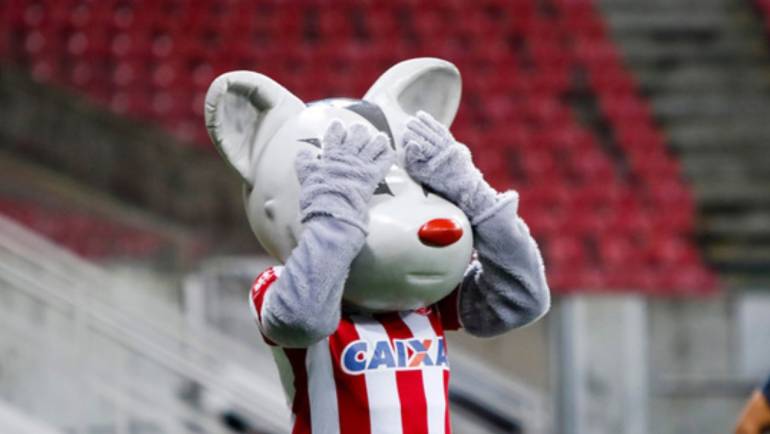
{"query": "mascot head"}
{"type": "Point", "coordinates": [418, 245]}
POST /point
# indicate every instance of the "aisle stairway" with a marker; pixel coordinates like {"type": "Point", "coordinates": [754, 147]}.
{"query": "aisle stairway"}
{"type": "Point", "coordinates": [704, 64]}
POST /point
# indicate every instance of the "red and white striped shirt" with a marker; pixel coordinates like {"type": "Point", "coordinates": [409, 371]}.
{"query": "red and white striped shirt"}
{"type": "Point", "coordinates": [385, 373]}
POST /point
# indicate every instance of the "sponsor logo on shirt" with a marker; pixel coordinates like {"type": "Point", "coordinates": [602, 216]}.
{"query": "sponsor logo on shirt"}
{"type": "Point", "coordinates": [363, 356]}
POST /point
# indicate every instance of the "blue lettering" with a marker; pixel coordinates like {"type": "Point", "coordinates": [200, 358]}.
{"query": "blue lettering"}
{"type": "Point", "coordinates": [401, 353]}
{"type": "Point", "coordinates": [351, 359]}
{"type": "Point", "coordinates": [383, 355]}
{"type": "Point", "coordinates": [441, 359]}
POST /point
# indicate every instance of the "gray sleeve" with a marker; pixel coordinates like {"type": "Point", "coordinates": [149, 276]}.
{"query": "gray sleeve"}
{"type": "Point", "coordinates": [505, 287]}
{"type": "Point", "coordinates": [303, 305]}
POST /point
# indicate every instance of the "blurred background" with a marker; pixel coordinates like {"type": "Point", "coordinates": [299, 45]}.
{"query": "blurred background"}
{"type": "Point", "coordinates": [636, 132]}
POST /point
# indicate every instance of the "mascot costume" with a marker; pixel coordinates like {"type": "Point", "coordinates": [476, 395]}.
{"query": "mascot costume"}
{"type": "Point", "coordinates": [388, 236]}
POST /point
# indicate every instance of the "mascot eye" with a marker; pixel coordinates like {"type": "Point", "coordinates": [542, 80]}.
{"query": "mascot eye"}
{"type": "Point", "coordinates": [383, 188]}
{"type": "Point", "coordinates": [426, 190]}
{"type": "Point", "coordinates": [313, 141]}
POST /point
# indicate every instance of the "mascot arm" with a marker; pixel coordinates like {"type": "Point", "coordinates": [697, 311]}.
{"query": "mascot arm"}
{"type": "Point", "coordinates": [505, 287]}
{"type": "Point", "coordinates": [302, 306]}
{"type": "Point", "coordinates": [335, 189]}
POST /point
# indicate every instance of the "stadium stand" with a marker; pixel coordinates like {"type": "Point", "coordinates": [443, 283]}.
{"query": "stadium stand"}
{"type": "Point", "coordinates": [606, 199]}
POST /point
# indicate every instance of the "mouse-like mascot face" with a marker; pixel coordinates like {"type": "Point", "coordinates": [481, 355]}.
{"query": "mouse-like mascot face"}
{"type": "Point", "coordinates": [259, 126]}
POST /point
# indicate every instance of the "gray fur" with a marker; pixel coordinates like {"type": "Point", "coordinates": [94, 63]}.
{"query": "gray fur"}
{"type": "Point", "coordinates": [435, 159]}
{"type": "Point", "coordinates": [341, 182]}
{"type": "Point", "coordinates": [505, 287]}
{"type": "Point", "coordinates": [304, 304]}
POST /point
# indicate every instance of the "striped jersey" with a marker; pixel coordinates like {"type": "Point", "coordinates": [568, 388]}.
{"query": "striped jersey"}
{"type": "Point", "coordinates": [384, 373]}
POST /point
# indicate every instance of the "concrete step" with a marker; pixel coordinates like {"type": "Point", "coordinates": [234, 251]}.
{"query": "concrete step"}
{"type": "Point", "coordinates": [732, 279]}
{"type": "Point", "coordinates": [693, 135]}
{"type": "Point", "coordinates": [697, 81]}
{"type": "Point", "coordinates": [743, 257]}
{"type": "Point", "coordinates": [722, 168]}
{"type": "Point", "coordinates": [673, 59]}
{"type": "Point", "coordinates": [718, 194]}
{"type": "Point", "coordinates": [621, 6]}
{"type": "Point", "coordinates": [719, 37]}
{"type": "Point", "coordinates": [688, 34]}
{"type": "Point", "coordinates": [683, 20]}
{"type": "Point", "coordinates": [683, 72]}
{"type": "Point", "coordinates": [752, 226]}
{"type": "Point", "coordinates": [740, 106]}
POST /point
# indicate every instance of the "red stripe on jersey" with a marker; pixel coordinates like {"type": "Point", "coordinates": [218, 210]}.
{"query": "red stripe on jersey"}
{"type": "Point", "coordinates": [448, 309]}
{"type": "Point", "coordinates": [411, 389]}
{"type": "Point", "coordinates": [258, 291]}
{"type": "Point", "coordinates": [301, 404]}
{"type": "Point", "coordinates": [352, 398]}
{"type": "Point", "coordinates": [260, 287]}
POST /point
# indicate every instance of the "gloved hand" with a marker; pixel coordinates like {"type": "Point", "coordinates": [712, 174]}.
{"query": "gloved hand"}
{"type": "Point", "coordinates": [341, 180]}
{"type": "Point", "coordinates": [435, 159]}
{"type": "Point", "coordinates": [755, 417]}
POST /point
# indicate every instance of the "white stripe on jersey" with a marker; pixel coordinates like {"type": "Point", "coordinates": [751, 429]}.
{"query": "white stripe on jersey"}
{"type": "Point", "coordinates": [324, 414]}
{"type": "Point", "coordinates": [287, 377]}
{"type": "Point", "coordinates": [432, 378]}
{"type": "Point", "coordinates": [381, 386]}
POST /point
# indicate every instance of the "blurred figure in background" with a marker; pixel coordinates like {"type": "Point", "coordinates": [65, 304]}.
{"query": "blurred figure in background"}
{"type": "Point", "coordinates": [755, 418]}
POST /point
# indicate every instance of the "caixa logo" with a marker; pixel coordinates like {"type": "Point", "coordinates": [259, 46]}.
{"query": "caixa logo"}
{"type": "Point", "coordinates": [361, 356]}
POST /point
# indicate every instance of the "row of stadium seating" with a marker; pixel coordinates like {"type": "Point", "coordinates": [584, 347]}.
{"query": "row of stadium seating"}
{"type": "Point", "coordinates": [606, 201]}
{"type": "Point", "coordinates": [88, 235]}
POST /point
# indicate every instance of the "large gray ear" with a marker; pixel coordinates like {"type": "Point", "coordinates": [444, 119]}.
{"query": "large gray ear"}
{"type": "Point", "coordinates": [425, 83]}
{"type": "Point", "coordinates": [243, 111]}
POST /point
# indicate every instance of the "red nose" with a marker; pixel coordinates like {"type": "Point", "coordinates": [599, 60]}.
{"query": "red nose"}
{"type": "Point", "coordinates": [440, 232]}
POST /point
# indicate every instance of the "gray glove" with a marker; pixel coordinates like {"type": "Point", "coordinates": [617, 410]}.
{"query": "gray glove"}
{"type": "Point", "coordinates": [341, 181]}
{"type": "Point", "coordinates": [435, 159]}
